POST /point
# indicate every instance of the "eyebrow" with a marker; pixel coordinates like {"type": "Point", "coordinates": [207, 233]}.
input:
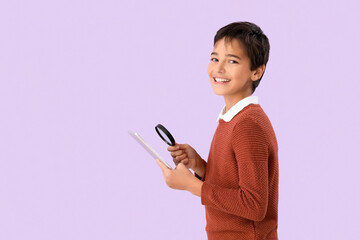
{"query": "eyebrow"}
{"type": "Point", "coordinates": [227, 55]}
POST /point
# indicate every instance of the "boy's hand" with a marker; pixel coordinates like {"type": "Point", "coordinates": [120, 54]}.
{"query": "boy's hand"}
{"type": "Point", "coordinates": [181, 178]}
{"type": "Point", "coordinates": [185, 154]}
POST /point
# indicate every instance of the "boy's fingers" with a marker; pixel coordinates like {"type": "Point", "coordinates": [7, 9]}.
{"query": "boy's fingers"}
{"type": "Point", "coordinates": [185, 161]}
{"type": "Point", "coordinates": [178, 159]}
{"type": "Point", "coordinates": [183, 146]}
{"type": "Point", "coordinates": [177, 153]}
{"type": "Point", "coordinates": [173, 148]}
{"type": "Point", "coordinates": [181, 157]}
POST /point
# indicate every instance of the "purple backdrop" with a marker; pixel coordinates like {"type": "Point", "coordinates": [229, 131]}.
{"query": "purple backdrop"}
{"type": "Point", "coordinates": [75, 76]}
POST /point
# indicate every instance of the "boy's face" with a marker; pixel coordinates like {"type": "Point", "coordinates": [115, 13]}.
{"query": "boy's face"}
{"type": "Point", "coordinates": [229, 70]}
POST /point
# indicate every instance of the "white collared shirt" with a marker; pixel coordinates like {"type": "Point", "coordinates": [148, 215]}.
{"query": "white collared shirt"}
{"type": "Point", "coordinates": [237, 108]}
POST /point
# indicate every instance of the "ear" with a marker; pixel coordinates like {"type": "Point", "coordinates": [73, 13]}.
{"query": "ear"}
{"type": "Point", "coordinates": [257, 73]}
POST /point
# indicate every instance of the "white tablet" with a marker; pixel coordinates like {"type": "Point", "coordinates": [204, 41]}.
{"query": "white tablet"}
{"type": "Point", "coordinates": [147, 147]}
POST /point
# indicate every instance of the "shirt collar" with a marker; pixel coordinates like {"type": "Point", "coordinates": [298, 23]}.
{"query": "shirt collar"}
{"type": "Point", "coordinates": [237, 108]}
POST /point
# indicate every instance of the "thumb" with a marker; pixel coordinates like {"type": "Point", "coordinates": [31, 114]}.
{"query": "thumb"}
{"type": "Point", "coordinates": [182, 146]}
{"type": "Point", "coordinates": [182, 166]}
{"type": "Point", "coordinates": [162, 166]}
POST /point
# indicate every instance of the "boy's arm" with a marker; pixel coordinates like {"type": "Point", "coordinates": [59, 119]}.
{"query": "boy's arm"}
{"type": "Point", "coordinates": [250, 199]}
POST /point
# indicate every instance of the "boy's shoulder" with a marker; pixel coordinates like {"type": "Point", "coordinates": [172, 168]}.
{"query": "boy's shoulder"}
{"type": "Point", "coordinates": [251, 113]}
{"type": "Point", "coordinates": [254, 121]}
{"type": "Point", "coordinates": [252, 117]}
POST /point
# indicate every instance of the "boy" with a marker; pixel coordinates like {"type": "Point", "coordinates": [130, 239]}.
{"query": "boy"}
{"type": "Point", "coordinates": [239, 183]}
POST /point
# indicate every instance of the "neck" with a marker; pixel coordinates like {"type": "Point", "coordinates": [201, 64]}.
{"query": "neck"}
{"type": "Point", "coordinates": [230, 101]}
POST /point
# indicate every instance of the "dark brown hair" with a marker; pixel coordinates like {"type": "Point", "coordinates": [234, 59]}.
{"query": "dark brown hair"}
{"type": "Point", "coordinates": [254, 40]}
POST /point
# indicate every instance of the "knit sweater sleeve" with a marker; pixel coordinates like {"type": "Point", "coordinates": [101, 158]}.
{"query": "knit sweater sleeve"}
{"type": "Point", "coordinates": [250, 198]}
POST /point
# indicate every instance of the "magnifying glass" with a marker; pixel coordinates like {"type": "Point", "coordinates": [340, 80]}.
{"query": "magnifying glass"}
{"type": "Point", "coordinates": [165, 135]}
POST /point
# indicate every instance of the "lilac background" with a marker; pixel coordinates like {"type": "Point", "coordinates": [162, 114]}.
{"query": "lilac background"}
{"type": "Point", "coordinates": [75, 76]}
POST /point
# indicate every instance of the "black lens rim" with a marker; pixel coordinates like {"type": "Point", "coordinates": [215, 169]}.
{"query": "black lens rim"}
{"type": "Point", "coordinates": [167, 133]}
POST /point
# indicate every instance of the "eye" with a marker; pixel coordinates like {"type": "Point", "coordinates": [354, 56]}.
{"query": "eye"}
{"type": "Point", "coordinates": [214, 60]}
{"type": "Point", "coordinates": [233, 61]}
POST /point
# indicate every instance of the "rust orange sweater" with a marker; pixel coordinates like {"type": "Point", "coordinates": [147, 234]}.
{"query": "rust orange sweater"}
{"type": "Point", "coordinates": [240, 190]}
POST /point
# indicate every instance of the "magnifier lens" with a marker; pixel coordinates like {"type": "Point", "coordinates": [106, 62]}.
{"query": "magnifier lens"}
{"type": "Point", "coordinates": [165, 135]}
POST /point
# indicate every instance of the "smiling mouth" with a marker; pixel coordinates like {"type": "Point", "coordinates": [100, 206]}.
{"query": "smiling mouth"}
{"type": "Point", "coordinates": [221, 80]}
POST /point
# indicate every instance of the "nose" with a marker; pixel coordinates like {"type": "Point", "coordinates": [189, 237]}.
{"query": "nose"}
{"type": "Point", "coordinates": [220, 67]}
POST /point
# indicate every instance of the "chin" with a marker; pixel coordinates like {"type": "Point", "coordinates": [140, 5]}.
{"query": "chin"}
{"type": "Point", "coordinates": [219, 93]}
